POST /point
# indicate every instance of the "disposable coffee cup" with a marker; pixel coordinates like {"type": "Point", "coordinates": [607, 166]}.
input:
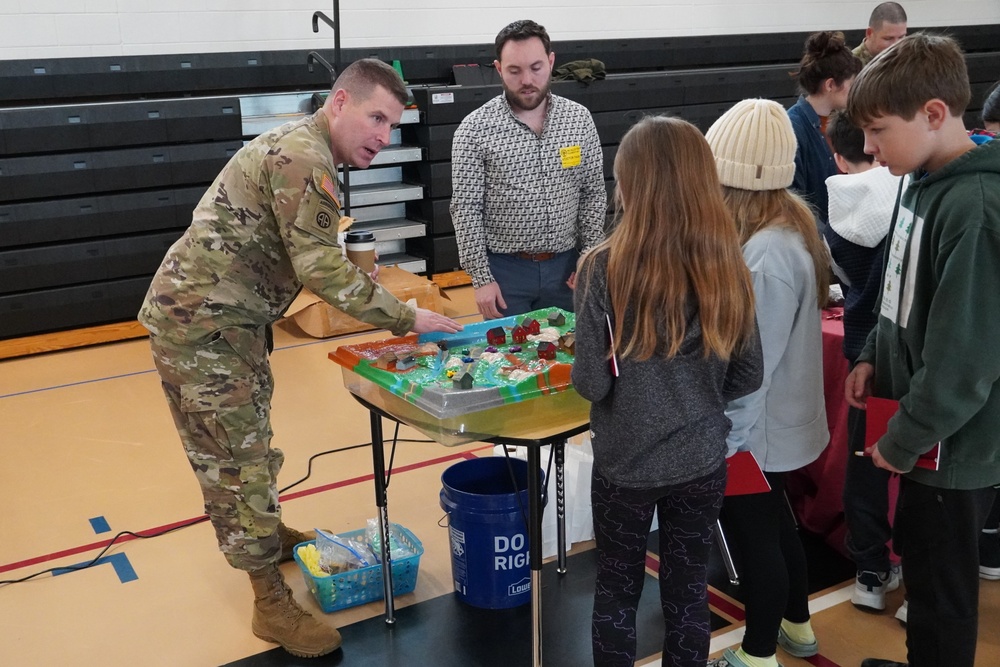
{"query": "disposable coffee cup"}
{"type": "Point", "coordinates": [360, 247]}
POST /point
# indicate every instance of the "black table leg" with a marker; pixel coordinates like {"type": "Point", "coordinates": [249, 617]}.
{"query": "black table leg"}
{"type": "Point", "coordinates": [381, 500]}
{"type": "Point", "coordinates": [535, 551]}
{"type": "Point", "coordinates": [560, 450]}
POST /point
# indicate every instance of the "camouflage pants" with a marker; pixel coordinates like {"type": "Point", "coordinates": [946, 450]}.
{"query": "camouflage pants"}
{"type": "Point", "coordinates": [219, 394]}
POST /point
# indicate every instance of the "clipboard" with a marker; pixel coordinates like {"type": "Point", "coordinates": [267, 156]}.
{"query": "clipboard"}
{"type": "Point", "coordinates": [744, 475]}
{"type": "Point", "coordinates": [878, 413]}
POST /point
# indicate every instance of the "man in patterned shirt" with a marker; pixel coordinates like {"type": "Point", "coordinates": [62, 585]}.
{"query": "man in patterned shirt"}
{"type": "Point", "coordinates": [528, 183]}
{"type": "Point", "coordinates": [266, 227]}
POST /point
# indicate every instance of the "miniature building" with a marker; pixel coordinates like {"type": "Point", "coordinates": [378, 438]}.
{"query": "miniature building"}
{"type": "Point", "coordinates": [496, 336]}
{"type": "Point", "coordinates": [532, 326]}
{"type": "Point", "coordinates": [519, 334]}
{"type": "Point", "coordinates": [427, 349]}
{"type": "Point", "coordinates": [462, 380]}
{"type": "Point", "coordinates": [405, 362]}
{"type": "Point", "coordinates": [385, 361]}
{"type": "Point", "coordinates": [567, 343]}
{"type": "Point", "coordinates": [557, 319]}
{"type": "Point", "coordinates": [546, 350]}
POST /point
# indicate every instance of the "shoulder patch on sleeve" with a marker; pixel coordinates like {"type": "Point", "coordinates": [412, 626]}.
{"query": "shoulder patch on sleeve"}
{"type": "Point", "coordinates": [327, 185]}
{"type": "Point", "coordinates": [319, 212]}
{"type": "Point", "coordinates": [323, 218]}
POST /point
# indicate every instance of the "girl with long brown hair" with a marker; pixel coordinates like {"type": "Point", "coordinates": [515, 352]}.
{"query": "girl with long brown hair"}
{"type": "Point", "coordinates": [784, 422]}
{"type": "Point", "coordinates": [670, 287]}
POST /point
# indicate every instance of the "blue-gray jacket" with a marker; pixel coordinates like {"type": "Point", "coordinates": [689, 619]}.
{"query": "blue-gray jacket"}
{"type": "Point", "coordinates": [784, 422]}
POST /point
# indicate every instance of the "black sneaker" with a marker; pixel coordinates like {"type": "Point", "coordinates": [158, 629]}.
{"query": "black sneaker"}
{"type": "Point", "coordinates": [878, 662]}
{"type": "Point", "coordinates": [989, 555]}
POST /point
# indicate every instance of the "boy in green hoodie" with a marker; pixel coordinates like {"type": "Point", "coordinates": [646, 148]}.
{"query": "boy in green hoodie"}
{"type": "Point", "coordinates": [936, 347]}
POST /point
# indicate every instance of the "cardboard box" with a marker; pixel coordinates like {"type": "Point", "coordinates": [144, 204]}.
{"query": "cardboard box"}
{"type": "Point", "coordinates": [321, 320]}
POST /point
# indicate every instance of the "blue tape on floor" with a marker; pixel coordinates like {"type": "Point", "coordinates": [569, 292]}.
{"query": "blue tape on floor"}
{"type": "Point", "coordinates": [100, 525]}
{"type": "Point", "coordinates": [123, 568]}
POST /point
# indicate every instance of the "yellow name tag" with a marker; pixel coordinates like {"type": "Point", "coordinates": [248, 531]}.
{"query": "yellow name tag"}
{"type": "Point", "coordinates": [570, 156]}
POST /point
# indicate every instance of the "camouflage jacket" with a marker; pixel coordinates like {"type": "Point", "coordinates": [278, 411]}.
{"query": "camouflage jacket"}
{"type": "Point", "coordinates": [266, 227]}
{"type": "Point", "coordinates": [863, 54]}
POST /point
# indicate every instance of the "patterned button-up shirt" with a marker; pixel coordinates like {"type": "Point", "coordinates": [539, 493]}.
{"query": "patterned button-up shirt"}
{"type": "Point", "coordinates": [516, 191]}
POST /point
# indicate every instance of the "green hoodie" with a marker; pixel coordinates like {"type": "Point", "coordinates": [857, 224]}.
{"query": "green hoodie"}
{"type": "Point", "coordinates": [936, 347]}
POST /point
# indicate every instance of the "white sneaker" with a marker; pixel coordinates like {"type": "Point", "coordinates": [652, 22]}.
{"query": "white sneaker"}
{"type": "Point", "coordinates": [901, 612]}
{"type": "Point", "coordinates": [870, 588]}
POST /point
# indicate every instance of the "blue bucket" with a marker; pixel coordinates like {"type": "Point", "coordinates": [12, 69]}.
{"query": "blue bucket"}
{"type": "Point", "coordinates": [489, 538]}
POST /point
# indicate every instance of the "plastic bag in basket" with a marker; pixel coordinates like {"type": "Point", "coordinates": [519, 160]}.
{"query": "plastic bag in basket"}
{"type": "Point", "coordinates": [397, 549]}
{"type": "Point", "coordinates": [337, 554]}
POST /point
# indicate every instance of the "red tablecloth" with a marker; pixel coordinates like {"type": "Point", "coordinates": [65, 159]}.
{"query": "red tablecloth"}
{"type": "Point", "coordinates": [815, 491]}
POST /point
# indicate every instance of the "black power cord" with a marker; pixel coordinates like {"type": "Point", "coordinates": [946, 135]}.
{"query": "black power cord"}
{"type": "Point", "coordinates": [204, 517]}
{"type": "Point", "coordinates": [84, 566]}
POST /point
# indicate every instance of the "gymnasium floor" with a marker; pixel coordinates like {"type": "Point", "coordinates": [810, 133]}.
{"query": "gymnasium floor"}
{"type": "Point", "coordinates": [88, 450]}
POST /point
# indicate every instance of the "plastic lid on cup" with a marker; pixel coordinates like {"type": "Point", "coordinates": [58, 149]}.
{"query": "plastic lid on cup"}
{"type": "Point", "coordinates": [359, 237]}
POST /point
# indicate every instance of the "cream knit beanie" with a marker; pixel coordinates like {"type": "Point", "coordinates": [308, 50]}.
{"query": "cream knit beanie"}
{"type": "Point", "coordinates": [754, 146]}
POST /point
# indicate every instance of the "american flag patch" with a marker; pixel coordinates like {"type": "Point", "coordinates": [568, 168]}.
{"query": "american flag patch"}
{"type": "Point", "coordinates": [328, 187]}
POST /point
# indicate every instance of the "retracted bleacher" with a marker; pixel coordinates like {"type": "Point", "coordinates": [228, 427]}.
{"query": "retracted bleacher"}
{"type": "Point", "coordinates": [103, 159]}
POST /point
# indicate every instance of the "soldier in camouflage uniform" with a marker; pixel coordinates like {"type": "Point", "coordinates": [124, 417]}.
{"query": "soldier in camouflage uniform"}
{"type": "Point", "coordinates": [266, 227]}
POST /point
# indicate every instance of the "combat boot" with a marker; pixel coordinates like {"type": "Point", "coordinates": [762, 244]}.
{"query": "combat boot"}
{"type": "Point", "coordinates": [289, 538]}
{"type": "Point", "coordinates": [278, 618]}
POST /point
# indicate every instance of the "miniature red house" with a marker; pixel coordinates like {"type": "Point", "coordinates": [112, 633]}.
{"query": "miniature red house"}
{"type": "Point", "coordinates": [496, 336]}
{"type": "Point", "coordinates": [546, 350]}
{"type": "Point", "coordinates": [519, 334]}
{"type": "Point", "coordinates": [532, 326]}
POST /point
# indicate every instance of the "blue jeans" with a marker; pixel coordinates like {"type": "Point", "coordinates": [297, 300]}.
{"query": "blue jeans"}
{"type": "Point", "coordinates": [622, 517]}
{"type": "Point", "coordinates": [528, 285]}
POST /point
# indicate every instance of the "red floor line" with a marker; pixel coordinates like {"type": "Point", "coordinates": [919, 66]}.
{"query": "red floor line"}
{"type": "Point", "coordinates": [714, 599]}
{"type": "Point", "coordinates": [17, 565]}
{"type": "Point", "coordinates": [368, 478]}
{"type": "Point", "coordinates": [652, 563]}
{"type": "Point", "coordinates": [725, 606]}
{"type": "Point", "coordinates": [96, 545]}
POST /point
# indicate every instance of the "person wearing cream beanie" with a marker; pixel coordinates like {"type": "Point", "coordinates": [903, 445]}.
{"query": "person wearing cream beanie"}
{"type": "Point", "coordinates": [754, 146]}
{"type": "Point", "coordinates": [784, 422]}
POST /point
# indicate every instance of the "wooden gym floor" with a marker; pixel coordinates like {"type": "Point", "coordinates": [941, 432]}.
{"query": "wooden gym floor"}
{"type": "Point", "coordinates": [88, 450]}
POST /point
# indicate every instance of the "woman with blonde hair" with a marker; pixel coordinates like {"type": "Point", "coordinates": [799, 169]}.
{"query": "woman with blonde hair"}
{"type": "Point", "coordinates": [671, 285]}
{"type": "Point", "coordinates": [784, 422]}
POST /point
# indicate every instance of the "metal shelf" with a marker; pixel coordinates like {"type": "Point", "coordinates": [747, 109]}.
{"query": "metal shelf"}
{"type": "Point", "coordinates": [385, 193]}
{"type": "Point", "coordinates": [392, 229]}
{"type": "Point", "coordinates": [405, 262]}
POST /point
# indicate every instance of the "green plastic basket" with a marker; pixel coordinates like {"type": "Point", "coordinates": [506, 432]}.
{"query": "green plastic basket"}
{"type": "Point", "coordinates": [354, 587]}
